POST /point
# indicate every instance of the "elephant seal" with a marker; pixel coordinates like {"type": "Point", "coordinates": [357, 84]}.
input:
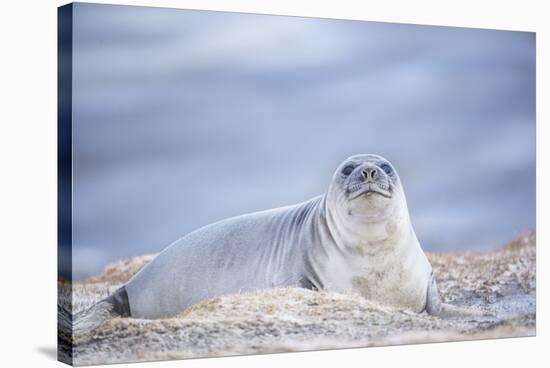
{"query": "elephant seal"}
{"type": "Point", "coordinates": [357, 236]}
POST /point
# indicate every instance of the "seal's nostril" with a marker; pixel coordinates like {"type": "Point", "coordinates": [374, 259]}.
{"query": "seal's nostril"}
{"type": "Point", "coordinates": [368, 173]}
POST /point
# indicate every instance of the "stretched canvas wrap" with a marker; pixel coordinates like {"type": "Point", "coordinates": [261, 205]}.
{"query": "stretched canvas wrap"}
{"type": "Point", "coordinates": [237, 183]}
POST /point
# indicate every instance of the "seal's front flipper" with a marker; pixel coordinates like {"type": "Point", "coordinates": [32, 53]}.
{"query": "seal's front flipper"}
{"type": "Point", "coordinates": [435, 307]}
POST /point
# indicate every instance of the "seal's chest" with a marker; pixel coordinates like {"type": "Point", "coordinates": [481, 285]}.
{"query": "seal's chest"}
{"type": "Point", "coordinates": [391, 281]}
{"type": "Point", "coordinates": [371, 281]}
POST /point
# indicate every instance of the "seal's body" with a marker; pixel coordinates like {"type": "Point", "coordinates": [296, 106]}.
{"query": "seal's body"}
{"type": "Point", "coordinates": [255, 251]}
{"type": "Point", "coordinates": [356, 237]}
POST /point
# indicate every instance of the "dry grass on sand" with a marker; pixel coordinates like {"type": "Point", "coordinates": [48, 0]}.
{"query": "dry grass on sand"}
{"type": "Point", "coordinates": [501, 281]}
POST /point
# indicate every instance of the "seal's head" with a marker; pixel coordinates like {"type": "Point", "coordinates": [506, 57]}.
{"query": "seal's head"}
{"type": "Point", "coordinates": [366, 188]}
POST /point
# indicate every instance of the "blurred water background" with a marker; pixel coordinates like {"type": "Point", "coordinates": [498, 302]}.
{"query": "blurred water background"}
{"type": "Point", "coordinates": [182, 118]}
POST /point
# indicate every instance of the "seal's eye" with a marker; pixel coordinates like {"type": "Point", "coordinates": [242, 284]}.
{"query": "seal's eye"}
{"type": "Point", "coordinates": [387, 169]}
{"type": "Point", "coordinates": [348, 170]}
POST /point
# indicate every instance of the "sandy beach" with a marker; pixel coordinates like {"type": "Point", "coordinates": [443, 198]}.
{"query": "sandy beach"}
{"type": "Point", "coordinates": [499, 283]}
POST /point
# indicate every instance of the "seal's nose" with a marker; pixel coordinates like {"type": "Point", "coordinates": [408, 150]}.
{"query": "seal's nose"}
{"type": "Point", "coordinates": [369, 173]}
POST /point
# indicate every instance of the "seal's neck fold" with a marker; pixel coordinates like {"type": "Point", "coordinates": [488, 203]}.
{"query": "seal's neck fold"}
{"type": "Point", "coordinates": [351, 232]}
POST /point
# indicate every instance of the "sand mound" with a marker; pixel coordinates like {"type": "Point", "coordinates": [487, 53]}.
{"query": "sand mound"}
{"type": "Point", "coordinates": [290, 319]}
